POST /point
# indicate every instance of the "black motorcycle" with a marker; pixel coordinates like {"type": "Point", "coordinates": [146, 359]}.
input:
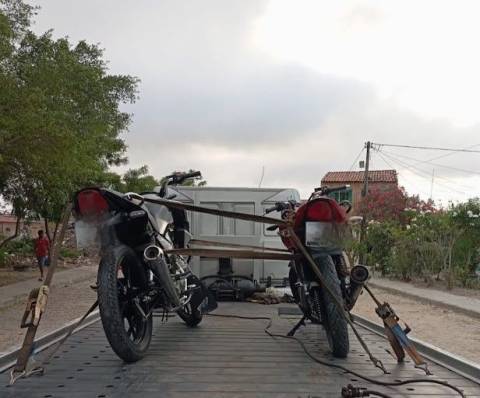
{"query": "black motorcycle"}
{"type": "Point", "coordinates": [136, 274]}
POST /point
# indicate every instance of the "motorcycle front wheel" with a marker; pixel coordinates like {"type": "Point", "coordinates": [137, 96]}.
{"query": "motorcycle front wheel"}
{"type": "Point", "coordinates": [121, 277]}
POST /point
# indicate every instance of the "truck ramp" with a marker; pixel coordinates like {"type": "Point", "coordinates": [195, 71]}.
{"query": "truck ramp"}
{"type": "Point", "coordinates": [224, 358]}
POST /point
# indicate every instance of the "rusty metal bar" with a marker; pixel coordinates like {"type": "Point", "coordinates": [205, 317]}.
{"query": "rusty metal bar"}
{"type": "Point", "coordinates": [215, 253]}
{"type": "Point", "coordinates": [200, 242]}
{"type": "Point", "coordinates": [266, 220]}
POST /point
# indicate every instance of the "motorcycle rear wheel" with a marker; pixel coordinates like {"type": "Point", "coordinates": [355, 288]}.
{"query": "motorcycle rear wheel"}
{"type": "Point", "coordinates": [334, 323]}
{"type": "Point", "coordinates": [121, 276]}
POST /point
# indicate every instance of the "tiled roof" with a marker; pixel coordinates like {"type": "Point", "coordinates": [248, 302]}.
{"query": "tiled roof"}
{"type": "Point", "coordinates": [358, 176]}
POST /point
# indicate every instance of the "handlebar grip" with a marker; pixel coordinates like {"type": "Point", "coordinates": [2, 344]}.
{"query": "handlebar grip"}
{"type": "Point", "coordinates": [193, 174]}
{"type": "Point", "coordinates": [270, 209]}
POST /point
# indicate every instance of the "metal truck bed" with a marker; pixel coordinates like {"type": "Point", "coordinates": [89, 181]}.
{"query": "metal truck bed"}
{"type": "Point", "coordinates": [222, 358]}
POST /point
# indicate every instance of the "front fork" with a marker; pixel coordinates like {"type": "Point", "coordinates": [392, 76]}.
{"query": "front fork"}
{"type": "Point", "coordinates": [300, 285]}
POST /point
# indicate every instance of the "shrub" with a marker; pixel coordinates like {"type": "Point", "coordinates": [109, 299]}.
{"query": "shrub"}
{"type": "Point", "coordinates": [66, 252]}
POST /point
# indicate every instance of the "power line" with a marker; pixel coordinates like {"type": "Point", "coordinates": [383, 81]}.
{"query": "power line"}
{"type": "Point", "coordinates": [447, 154]}
{"type": "Point", "coordinates": [423, 174]}
{"type": "Point", "coordinates": [426, 173]}
{"type": "Point", "coordinates": [402, 174]}
{"type": "Point", "coordinates": [435, 164]}
{"type": "Point", "coordinates": [410, 167]}
{"type": "Point", "coordinates": [356, 159]}
{"type": "Point", "coordinates": [427, 147]}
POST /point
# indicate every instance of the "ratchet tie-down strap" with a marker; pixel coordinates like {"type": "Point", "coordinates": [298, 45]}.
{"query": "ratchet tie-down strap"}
{"type": "Point", "coordinates": [36, 305]}
{"type": "Point", "coordinates": [302, 252]}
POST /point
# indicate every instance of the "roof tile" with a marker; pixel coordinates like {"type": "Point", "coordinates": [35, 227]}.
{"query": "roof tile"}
{"type": "Point", "coordinates": [358, 176]}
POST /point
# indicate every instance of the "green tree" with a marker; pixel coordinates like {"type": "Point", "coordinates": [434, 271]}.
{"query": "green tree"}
{"type": "Point", "coordinates": [61, 121]}
{"type": "Point", "coordinates": [135, 180]}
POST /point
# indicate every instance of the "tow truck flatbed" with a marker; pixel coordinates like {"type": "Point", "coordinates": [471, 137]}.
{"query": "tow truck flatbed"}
{"type": "Point", "coordinates": [224, 358]}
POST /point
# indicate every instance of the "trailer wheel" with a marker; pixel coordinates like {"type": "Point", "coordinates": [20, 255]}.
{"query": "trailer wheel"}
{"type": "Point", "coordinates": [121, 277]}
{"type": "Point", "coordinates": [335, 325]}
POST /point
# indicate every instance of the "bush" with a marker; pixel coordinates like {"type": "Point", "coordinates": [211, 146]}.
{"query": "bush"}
{"type": "Point", "coordinates": [428, 244]}
{"type": "Point", "coordinates": [66, 252]}
{"type": "Point", "coordinates": [379, 243]}
{"type": "Point", "coordinates": [23, 246]}
{"type": "Point", "coordinates": [3, 258]}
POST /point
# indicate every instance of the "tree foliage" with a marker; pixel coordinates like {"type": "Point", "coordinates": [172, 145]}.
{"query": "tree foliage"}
{"type": "Point", "coordinates": [387, 204]}
{"type": "Point", "coordinates": [134, 180]}
{"type": "Point", "coordinates": [429, 244]}
{"type": "Point", "coordinates": [61, 122]}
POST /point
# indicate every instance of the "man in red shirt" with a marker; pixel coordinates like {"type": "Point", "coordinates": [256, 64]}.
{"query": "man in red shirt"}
{"type": "Point", "coordinates": [42, 248]}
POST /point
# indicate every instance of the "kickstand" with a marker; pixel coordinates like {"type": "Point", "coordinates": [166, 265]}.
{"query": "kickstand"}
{"type": "Point", "coordinates": [301, 322]}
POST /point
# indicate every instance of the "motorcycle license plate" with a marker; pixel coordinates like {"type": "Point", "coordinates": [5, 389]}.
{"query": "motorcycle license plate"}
{"type": "Point", "coordinates": [321, 235]}
{"type": "Point", "coordinates": [86, 234]}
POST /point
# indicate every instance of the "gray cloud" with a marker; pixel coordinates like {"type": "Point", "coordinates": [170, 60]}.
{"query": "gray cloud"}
{"type": "Point", "coordinates": [209, 100]}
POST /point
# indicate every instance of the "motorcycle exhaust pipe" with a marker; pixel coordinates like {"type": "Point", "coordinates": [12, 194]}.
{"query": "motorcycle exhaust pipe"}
{"type": "Point", "coordinates": [153, 256]}
{"type": "Point", "coordinates": [358, 276]}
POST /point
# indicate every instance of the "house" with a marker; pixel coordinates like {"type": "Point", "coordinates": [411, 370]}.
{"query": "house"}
{"type": "Point", "coordinates": [377, 179]}
{"type": "Point", "coordinates": [8, 223]}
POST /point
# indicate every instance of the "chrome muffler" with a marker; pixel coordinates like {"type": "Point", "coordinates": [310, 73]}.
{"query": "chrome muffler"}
{"type": "Point", "coordinates": [153, 256]}
{"type": "Point", "coordinates": [358, 276]}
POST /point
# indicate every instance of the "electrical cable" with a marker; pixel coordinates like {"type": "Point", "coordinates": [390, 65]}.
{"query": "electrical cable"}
{"type": "Point", "coordinates": [355, 161]}
{"type": "Point", "coordinates": [354, 392]}
{"type": "Point", "coordinates": [427, 147]}
{"type": "Point", "coordinates": [447, 154]}
{"type": "Point", "coordinates": [336, 366]}
{"type": "Point", "coordinates": [433, 164]}
{"type": "Point", "coordinates": [410, 167]}
{"type": "Point", "coordinates": [400, 174]}
{"type": "Point", "coordinates": [427, 174]}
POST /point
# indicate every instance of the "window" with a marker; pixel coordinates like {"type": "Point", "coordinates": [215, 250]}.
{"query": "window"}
{"type": "Point", "coordinates": [340, 196]}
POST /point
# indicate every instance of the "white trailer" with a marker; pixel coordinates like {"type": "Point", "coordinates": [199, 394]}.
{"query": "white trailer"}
{"type": "Point", "coordinates": [228, 230]}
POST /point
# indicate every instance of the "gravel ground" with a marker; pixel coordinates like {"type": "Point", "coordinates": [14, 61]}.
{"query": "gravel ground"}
{"type": "Point", "coordinates": [444, 328]}
{"type": "Point", "coordinates": [65, 303]}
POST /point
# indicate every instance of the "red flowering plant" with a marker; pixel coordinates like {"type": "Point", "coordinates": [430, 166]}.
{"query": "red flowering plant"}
{"type": "Point", "coordinates": [393, 204]}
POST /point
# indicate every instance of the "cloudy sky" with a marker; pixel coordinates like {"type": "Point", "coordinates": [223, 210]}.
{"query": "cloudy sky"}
{"type": "Point", "coordinates": [295, 87]}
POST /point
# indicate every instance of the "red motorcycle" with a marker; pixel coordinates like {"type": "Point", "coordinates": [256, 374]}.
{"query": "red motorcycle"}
{"type": "Point", "coordinates": [321, 223]}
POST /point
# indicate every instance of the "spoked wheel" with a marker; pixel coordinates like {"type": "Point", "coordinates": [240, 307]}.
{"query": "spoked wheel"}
{"type": "Point", "coordinates": [121, 278]}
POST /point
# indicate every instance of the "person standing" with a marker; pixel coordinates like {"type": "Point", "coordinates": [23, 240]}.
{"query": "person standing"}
{"type": "Point", "coordinates": [42, 248]}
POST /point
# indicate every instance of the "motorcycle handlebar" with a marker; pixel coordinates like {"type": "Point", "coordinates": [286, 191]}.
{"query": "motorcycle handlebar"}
{"type": "Point", "coordinates": [280, 206]}
{"type": "Point", "coordinates": [178, 178]}
{"type": "Point", "coordinates": [270, 209]}
{"type": "Point", "coordinates": [193, 174]}
{"type": "Point", "coordinates": [327, 190]}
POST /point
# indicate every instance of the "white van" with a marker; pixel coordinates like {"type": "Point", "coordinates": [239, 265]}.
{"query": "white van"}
{"type": "Point", "coordinates": [228, 230]}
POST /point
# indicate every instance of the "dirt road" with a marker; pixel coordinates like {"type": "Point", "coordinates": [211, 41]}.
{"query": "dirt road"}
{"type": "Point", "coordinates": [65, 303]}
{"type": "Point", "coordinates": [444, 328]}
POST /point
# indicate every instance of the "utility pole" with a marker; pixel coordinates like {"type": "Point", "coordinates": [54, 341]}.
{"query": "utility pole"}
{"type": "Point", "coordinates": [363, 226]}
{"type": "Point", "coordinates": [367, 167]}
